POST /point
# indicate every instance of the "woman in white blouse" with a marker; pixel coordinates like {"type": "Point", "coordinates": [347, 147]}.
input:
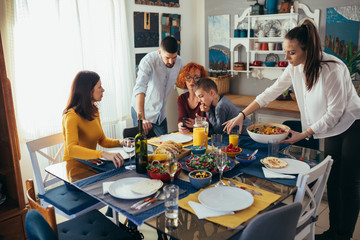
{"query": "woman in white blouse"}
{"type": "Point", "coordinates": [330, 109]}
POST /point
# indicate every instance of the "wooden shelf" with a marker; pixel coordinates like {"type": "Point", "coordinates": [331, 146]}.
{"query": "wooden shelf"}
{"type": "Point", "coordinates": [243, 101]}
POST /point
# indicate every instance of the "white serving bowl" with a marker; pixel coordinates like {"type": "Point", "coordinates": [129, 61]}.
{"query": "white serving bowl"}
{"type": "Point", "coordinates": [263, 138]}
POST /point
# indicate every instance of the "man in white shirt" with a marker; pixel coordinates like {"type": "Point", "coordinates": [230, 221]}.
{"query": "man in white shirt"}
{"type": "Point", "coordinates": [157, 75]}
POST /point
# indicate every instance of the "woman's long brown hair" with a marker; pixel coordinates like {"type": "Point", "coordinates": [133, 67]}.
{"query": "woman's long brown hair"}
{"type": "Point", "coordinates": [81, 95]}
{"type": "Point", "coordinates": [309, 41]}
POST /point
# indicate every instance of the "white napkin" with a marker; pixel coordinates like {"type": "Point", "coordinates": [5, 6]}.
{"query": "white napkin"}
{"type": "Point", "coordinates": [203, 212]}
{"type": "Point", "coordinates": [270, 174]}
{"type": "Point", "coordinates": [106, 186]}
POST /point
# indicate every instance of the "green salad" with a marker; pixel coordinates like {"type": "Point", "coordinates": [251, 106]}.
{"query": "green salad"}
{"type": "Point", "coordinates": [204, 162]}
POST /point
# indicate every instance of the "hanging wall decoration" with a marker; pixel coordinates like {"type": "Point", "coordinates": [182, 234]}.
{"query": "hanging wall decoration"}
{"type": "Point", "coordinates": [164, 3]}
{"type": "Point", "coordinates": [219, 35]}
{"type": "Point", "coordinates": [342, 28]}
{"type": "Point", "coordinates": [138, 58]}
{"type": "Point", "coordinates": [170, 26]}
{"type": "Point", "coordinates": [146, 29]}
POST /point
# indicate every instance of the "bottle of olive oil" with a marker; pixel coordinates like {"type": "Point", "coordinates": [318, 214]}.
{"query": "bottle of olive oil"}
{"type": "Point", "coordinates": [141, 152]}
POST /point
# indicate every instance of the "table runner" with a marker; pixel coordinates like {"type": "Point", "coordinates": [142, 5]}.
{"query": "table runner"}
{"type": "Point", "coordinates": [233, 221]}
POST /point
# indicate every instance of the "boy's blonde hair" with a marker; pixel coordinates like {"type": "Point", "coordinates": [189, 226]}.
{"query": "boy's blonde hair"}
{"type": "Point", "coordinates": [206, 84]}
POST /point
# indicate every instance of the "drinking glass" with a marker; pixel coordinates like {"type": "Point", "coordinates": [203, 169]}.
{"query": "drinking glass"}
{"type": "Point", "coordinates": [171, 205]}
{"type": "Point", "coordinates": [129, 148]}
{"type": "Point", "coordinates": [234, 137]}
{"type": "Point", "coordinates": [171, 164]}
{"type": "Point", "coordinates": [216, 140]}
{"type": "Point", "coordinates": [221, 160]}
{"type": "Point", "coordinates": [273, 149]}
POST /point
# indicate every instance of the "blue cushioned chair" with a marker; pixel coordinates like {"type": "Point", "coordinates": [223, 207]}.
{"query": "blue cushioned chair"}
{"type": "Point", "coordinates": [67, 202]}
{"type": "Point", "coordinates": [40, 223]}
{"type": "Point", "coordinates": [277, 224]}
{"type": "Point", "coordinates": [296, 126]}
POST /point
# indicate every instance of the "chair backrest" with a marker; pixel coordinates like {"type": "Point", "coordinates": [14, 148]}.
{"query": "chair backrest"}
{"type": "Point", "coordinates": [311, 186]}
{"type": "Point", "coordinates": [131, 132]}
{"type": "Point", "coordinates": [277, 224]}
{"type": "Point", "coordinates": [48, 213]}
{"type": "Point", "coordinates": [36, 148]}
{"type": "Point", "coordinates": [37, 228]}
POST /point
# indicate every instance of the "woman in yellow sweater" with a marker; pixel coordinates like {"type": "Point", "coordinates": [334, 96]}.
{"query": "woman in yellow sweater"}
{"type": "Point", "coordinates": [81, 122]}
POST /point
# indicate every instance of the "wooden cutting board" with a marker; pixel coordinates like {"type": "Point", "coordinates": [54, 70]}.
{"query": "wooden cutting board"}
{"type": "Point", "coordinates": [184, 152]}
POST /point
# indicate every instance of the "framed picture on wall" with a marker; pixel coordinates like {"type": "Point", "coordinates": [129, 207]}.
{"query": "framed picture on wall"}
{"type": "Point", "coordinates": [164, 3]}
{"type": "Point", "coordinates": [342, 27]}
{"type": "Point", "coordinates": [170, 26]}
{"type": "Point", "coordinates": [219, 49]}
{"type": "Point", "coordinates": [146, 29]}
{"type": "Point", "coordinates": [138, 58]}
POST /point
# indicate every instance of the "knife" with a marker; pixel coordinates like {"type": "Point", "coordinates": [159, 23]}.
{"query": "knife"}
{"type": "Point", "coordinates": [139, 203]}
{"type": "Point", "coordinates": [244, 188]}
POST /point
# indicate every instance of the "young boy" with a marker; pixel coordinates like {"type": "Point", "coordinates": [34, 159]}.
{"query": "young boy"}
{"type": "Point", "coordinates": [219, 109]}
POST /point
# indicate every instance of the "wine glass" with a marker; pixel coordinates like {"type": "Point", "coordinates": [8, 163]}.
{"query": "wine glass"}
{"type": "Point", "coordinates": [171, 164]}
{"type": "Point", "coordinates": [221, 160]}
{"type": "Point", "coordinates": [129, 148]}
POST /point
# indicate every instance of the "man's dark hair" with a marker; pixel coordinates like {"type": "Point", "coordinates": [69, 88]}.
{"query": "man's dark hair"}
{"type": "Point", "coordinates": [206, 84]}
{"type": "Point", "coordinates": [169, 44]}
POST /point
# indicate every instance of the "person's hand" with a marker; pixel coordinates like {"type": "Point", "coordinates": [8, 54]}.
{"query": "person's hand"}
{"type": "Point", "coordinates": [236, 121]}
{"type": "Point", "coordinates": [147, 126]}
{"type": "Point", "coordinates": [116, 158]}
{"type": "Point", "coordinates": [182, 129]}
{"type": "Point", "coordinates": [203, 107]}
{"type": "Point", "coordinates": [295, 137]}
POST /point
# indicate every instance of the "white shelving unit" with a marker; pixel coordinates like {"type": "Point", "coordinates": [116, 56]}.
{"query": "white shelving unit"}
{"type": "Point", "coordinates": [248, 43]}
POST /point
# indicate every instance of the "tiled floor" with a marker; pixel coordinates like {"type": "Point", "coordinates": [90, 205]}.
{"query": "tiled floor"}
{"type": "Point", "coordinates": [321, 225]}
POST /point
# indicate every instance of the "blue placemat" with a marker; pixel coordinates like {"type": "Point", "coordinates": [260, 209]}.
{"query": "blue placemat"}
{"type": "Point", "coordinates": [106, 166]}
{"type": "Point", "coordinates": [138, 219]}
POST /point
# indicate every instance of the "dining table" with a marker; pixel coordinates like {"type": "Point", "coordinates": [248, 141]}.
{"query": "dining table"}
{"type": "Point", "coordinates": [85, 175]}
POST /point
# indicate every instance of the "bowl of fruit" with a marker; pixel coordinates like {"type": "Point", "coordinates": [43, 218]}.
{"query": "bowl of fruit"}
{"type": "Point", "coordinates": [157, 170]}
{"type": "Point", "coordinates": [231, 150]}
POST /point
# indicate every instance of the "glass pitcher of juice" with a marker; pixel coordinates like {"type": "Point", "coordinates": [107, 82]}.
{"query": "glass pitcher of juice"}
{"type": "Point", "coordinates": [200, 132]}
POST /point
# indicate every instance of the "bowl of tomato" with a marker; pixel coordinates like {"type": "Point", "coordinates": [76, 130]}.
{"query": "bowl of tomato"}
{"type": "Point", "coordinates": [231, 150]}
{"type": "Point", "coordinates": [268, 132]}
{"type": "Point", "coordinates": [157, 170]}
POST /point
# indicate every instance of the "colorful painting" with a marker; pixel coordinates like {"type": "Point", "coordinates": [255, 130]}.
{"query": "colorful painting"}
{"type": "Point", "coordinates": [170, 26]}
{"type": "Point", "coordinates": [146, 29]}
{"type": "Point", "coordinates": [219, 35]}
{"type": "Point", "coordinates": [164, 3]}
{"type": "Point", "coordinates": [342, 26]}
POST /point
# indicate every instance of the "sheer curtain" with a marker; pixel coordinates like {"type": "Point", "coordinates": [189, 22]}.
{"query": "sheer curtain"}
{"type": "Point", "coordinates": [53, 40]}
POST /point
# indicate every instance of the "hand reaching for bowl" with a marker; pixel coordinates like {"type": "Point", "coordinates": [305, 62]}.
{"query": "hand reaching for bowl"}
{"type": "Point", "coordinates": [294, 137]}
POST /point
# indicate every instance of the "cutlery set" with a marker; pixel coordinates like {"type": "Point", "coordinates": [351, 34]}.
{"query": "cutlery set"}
{"type": "Point", "coordinates": [244, 188]}
{"type": "Point", "coordinates": [98, 162]}
{"type": "Point", "coordinates": [148, 201]}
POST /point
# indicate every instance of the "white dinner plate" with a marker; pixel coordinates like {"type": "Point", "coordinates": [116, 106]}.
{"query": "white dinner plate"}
{"type": "Point", "coordinates": [179, 138]}
{"type": "Point", "coordinates": [122, 188]}
{"type": "Point", "coordinates": [226, 198]}
{"type": "Point", "coordinates": [293, 167]}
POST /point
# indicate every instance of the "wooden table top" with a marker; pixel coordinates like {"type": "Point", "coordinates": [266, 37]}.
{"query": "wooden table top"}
{"type": "Point", "coordinates": [283, 106]}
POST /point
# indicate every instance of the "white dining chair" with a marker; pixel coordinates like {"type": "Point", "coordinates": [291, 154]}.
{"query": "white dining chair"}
{"type": "Point", "coordinates": [51, 190]}
{"type": "Point", "coordinates": [310, 190]}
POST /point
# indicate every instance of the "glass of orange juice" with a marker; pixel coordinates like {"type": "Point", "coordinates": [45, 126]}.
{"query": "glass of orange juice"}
{"type": "Point", "coordinates": [200, 132]}
{"type": "Point", "coordinates": [234, 137]}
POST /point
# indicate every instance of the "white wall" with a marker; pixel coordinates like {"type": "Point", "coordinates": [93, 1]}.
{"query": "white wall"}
{"type": "Point", "coordinates": [192, 39]}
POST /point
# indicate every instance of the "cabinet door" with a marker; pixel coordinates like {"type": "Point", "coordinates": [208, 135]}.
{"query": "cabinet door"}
{"type": "Point", "coordinates": [12, 229]}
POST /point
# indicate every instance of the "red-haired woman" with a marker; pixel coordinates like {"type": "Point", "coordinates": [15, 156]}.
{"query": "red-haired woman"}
{"type": "Point", "coordinates": [188, 103]}
{"type": "Point", "coordinates": [81, 122]}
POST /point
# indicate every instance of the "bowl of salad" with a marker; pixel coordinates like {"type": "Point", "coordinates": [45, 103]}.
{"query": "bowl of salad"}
{"type": "Point", "coordinates": [157, 170]}
{"type": "Point", "coordinates": [205, 162]}
{"type": "Point", "coordinates": [268, 132]}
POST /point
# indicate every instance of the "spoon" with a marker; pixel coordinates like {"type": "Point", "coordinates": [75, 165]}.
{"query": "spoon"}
{"type": "Point", "coordinates": [253, 154]}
